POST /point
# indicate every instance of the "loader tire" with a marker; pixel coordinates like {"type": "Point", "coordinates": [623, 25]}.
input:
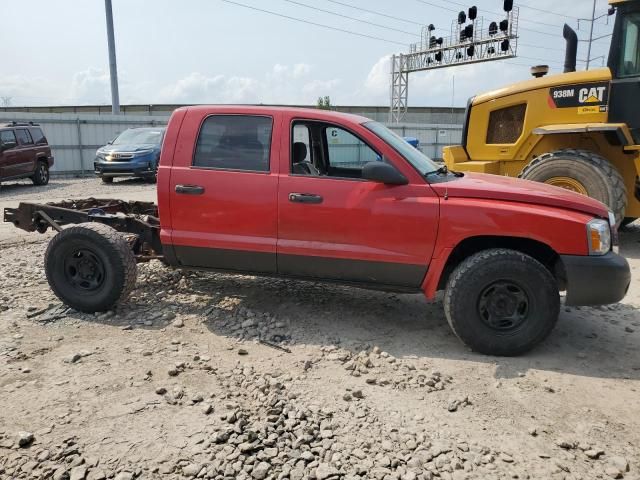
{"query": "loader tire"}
{"type": "Point", "coordinates": [90, 267]}
{"type": "Point", "coordinates": [583, 172]}
{"type": "Point", "coordinates": [501, 302]}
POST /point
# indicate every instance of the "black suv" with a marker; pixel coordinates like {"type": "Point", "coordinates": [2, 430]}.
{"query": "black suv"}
{"type": "Point", "coordinates": [24, 153]}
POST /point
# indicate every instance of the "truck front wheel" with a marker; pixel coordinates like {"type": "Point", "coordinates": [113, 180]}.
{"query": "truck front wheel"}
{"type": "Point", "coordinates": [501, 302]}
{"type": "Point", "coordinates": [90, 267]}
{"type": "Point", "coordinates": [583, 172]}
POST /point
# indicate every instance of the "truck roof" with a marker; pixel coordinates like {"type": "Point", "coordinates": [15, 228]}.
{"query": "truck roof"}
{"type": "Point", "coordinates": [310, 113]}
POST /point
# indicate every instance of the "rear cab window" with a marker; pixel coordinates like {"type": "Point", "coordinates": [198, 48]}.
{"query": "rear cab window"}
{"type": "Point", "coordinates": [234, 142]}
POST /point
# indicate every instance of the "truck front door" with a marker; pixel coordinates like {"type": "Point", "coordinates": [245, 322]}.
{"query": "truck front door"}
{"type": "Point", "coordinates": [333, 224]}
{"type": "Point", "coordinates": [223, 191]}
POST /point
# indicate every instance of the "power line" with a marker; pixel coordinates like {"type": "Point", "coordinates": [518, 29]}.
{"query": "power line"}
{"type": "Point", "coordinates": [308, 22]}
{"type": "Point", "coordinates": [543, 47]}
{"type": "Point", "coordinates": [374, 12]}
{"type": "Point", "coordinates": [554, 25]}
{"type": "Point", "coordinates": [351, 18]}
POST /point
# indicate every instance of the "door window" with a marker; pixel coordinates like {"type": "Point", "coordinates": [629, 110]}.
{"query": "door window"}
{"type": "Point", "coordinates": [630, 58]}
{"type": "Point", "coordinates": [7, 136]}
{"type": "Point", "coordinates": [234, 142]}
{"type": "Point", "coordinates": [24, 136]}
{"type": "Point", "coordinates": [346, 151]}
{"type": "Point", "coordinates": [324, 150]}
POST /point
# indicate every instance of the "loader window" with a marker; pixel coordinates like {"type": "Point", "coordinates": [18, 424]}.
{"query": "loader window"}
{"type": "Point", "coordinates": [505, 125]}
{"type": "Point", "coordinates": [630, 58]}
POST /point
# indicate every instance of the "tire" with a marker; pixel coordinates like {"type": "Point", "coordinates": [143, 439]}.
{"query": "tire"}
{"type": "Point", "coordinates": [90, 267]}
{"type": "Point", "coordinates": [41, 175]}
{"type": "Point", "coordinates": [628, 221]}
{"type": "Point", "coordinates": [478, 285]}
{"type": "Point", "coordinates": [598, 178]}
{"type": "Point", "coordinates": [106, 179]}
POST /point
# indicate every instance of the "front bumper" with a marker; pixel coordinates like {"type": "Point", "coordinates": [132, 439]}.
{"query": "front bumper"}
{"type": "Point", "coordinates": [124, 169]}
{"type": "Point", "coordinates": [596, 280]}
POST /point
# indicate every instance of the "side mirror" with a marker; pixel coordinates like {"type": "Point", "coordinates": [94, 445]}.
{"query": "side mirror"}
{"type": "Point", "coordinates": [383, 173]}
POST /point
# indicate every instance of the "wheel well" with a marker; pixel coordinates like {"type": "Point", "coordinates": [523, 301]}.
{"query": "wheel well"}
{"type": "Point", "coordinates": [538, 250]}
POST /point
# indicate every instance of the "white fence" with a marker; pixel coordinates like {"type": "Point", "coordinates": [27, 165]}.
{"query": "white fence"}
{"type": "Point", "coordinates": [74, 138]}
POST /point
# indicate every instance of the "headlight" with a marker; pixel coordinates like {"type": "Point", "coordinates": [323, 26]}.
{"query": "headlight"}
{"type": "Point", "coordinates": [100, 154]}
{"type": "Point", "coordinates": [598, 236]}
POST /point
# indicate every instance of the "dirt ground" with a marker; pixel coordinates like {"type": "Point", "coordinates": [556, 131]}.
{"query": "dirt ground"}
{"type": "Point", "coordinates": [175, 383]}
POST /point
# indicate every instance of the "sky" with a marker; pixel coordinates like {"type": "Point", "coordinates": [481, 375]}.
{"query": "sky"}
{"type": "Point", "coordinates": [216, 51]}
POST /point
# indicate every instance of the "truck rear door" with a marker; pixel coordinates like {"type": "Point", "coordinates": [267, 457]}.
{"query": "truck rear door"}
{"type": "Point", "coordinates": [223, 190]}
{"type": "Point", "coordinates": [26, 161]}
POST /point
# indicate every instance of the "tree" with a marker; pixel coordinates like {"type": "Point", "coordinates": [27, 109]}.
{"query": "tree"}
{"type": "Point", "coordinates": [324, 103]}
{"type": "Point", "coordinates": [6, 101]}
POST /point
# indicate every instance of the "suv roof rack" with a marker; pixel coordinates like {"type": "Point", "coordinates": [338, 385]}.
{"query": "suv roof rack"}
{"type": "Point", "coordinates": [21, 124]}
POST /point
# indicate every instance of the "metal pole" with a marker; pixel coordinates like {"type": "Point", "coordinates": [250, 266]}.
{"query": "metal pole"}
{"type": "Point", "coordinates": [80, 146]}
{"type": "Point", "coordinates": [593, 20]}
{"type": "Point", "coordinates": [113, 69]}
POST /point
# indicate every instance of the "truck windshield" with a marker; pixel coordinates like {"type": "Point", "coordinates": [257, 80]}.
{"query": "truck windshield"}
{"type": "Point", "coordinates": [139, 136]}
{"type": "Point", "coordinates": [415, 157]}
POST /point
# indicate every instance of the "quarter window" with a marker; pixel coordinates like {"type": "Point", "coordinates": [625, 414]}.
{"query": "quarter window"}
{"type": "Point", "coordinates": [234, 142]}
{"type": "Point", "coordinates": [38, 136]}
{"type": "Point", "coordinates": [24, 136]}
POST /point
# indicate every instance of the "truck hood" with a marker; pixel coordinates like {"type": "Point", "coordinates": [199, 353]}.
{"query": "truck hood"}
{"type": "Point", "coordinates": [494, 187]}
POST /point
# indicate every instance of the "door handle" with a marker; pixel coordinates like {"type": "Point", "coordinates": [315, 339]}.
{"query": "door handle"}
{"type": "Point", "coordinates": [305, 198]}
{"type": "Point", "coordinates": [190, 189]}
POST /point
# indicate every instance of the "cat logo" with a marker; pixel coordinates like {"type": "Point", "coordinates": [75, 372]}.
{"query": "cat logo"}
{"type": "Point", "coordinates": [591, 94]}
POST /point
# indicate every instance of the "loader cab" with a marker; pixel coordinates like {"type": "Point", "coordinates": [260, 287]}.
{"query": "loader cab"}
{"type": "Point", "coordinates": [624, 64]}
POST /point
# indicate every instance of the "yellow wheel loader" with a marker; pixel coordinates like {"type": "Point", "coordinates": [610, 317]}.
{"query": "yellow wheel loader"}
{"type": "Point", "coordinates": [575, 130]}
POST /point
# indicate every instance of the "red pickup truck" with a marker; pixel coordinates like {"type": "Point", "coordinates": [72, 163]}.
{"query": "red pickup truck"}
{"type": "Point", "coordinates": [324, 196]}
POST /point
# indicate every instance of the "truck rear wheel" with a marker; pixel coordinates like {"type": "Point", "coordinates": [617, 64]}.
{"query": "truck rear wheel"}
{"type": "Point", "coordinates": [90, 267]}
{"type": "Point", "coordinates": [583, 172]}
{"type": "Point", "coordinates": [501, 302]}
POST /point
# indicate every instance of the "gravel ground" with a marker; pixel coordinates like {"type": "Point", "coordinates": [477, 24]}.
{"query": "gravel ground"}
{"type": "Point", "coordinates": [175, 383]}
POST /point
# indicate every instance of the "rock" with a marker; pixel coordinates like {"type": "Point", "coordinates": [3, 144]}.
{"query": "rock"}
{"type": "Point", "coordinates": [73, 358]}
{"type": "Point", "coordinates": [325, 471]}
{"type": "Point", "coordinates": [78, 473]}
{"type": "Point", "coordinates": [173, 372]}
{"type": "Point", "coordinates": [61, 474]}
{"type": "Point", "coordinates": [248, 323]}
{"type": "Point", "coordinates": [565, 443]}
{"type": "Point", "coordinates": [161, 390]}
{"type": "Point", "coordinates": [207, 408]}
{"type": "Point", "coordinates": [506, 458]}
{"type": "Point", "coordinates": [179, 323]}
{"type": "Point", "coordinates": [124, 476]}
{"type": "Point", "coordinates": [533, 431]}
{"type": "Point", "coordinates": [594, 453]}
{"type": "Point", "coordinates": [260, 471]}
{"type": "Point", "coordinates": [25, 439]}
{"type": "Point", "coordinates": [96, 474]}
{"type": "Point", "coordinates": [347, 397]}
{"type": "Point", "coordinates": [620, 463]}
{"type": "Point", "coordinates": [242, 351]}
{"type": "Point", "coordinates": [326, 433]}
{"type": "Point", "coordinates": [357, 394]}
{"type": "Point", "coordinates": [613, 472]}
{"type": "Point", "coordinates": [191, 470]}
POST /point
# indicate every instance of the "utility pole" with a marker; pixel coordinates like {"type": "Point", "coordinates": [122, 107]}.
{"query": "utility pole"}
{"type": "Point", "coordinates": [113, 68]}
{"type": "Point", "coordinates": [593, 20]}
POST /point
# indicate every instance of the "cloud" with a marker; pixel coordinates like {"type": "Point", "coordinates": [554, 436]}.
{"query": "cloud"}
{"type": "Point", "coordinates": [281, 84]}
{"type": "Point", "coordinates": [90, 86]}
